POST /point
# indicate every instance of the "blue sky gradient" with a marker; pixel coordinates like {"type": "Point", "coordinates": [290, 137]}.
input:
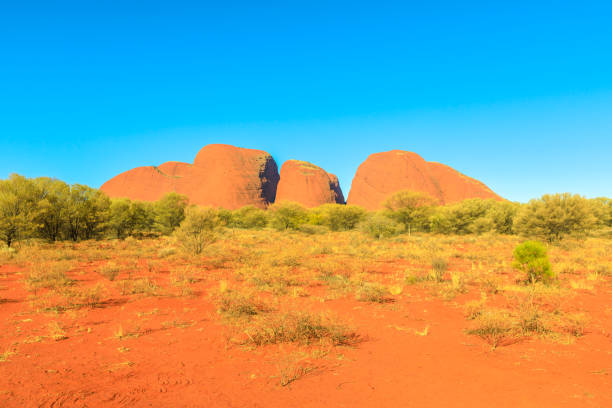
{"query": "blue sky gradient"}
{"type": "Point", "coordinates": [518, 96]}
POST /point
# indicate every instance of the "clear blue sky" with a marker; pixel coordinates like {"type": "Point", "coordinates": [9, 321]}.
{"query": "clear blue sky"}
{"type": "Point", "coordinates": [517, 94]}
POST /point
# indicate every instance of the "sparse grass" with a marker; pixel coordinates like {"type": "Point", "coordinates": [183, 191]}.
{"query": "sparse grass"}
{"type": "Point", "coordinates": [239, 303]}
{"type": "Point", "coordinates": [109, 270]}
{"type": "Point", "coordinates": [166, 252]}
{"type": "Point", "coordinates": [6, 354]}
{"type": "Point", "coordinates": [372, 292]}
{"type": "Point", "coordinates": [293, 272]}
{"type": "Point", "coordinates": [50, 275]}
{"type": "Point", "coordinates": [56, 332]}
{"type": "Point", "coordinates": [292, 367]}
{"type": "Point", "coordinates": [141, 286]}
{"type": "Point", "coordinates": [494, 326]}
{"type": "Point", "coordinates": [299, 327]}
{"type": "Point", "coordinates": [438, 269]}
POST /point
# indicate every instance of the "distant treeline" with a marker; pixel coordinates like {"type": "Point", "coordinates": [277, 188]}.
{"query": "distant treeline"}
{"type": "Point", "coordinates": [50, 209]}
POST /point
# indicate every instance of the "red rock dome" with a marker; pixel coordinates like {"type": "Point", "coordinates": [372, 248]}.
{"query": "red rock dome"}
{"type": "Point", "coordinates": [307, 184]}
{"type": "Point", "coordinates": [383, 174]}
{"type": "Point", "coordinates": [221, 176]}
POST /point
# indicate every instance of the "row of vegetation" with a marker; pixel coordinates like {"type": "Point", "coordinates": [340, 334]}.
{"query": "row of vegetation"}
{"type": "Point", "coordinates": [50, 209]}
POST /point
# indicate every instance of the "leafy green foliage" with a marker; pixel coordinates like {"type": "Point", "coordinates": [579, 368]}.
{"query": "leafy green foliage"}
{"type": "Point", "coordinates": [474, 216]}
{"type": "Point", "coordinates": [531, 257]}
{"type": "Point", "coordinates": [18, 201]}
{"type": "Point", "coordinates": [199, 228]}
{"type": "Point", "coordinates": [249, 217]}
{"type": "Point", "coordinates": [170, 212]}
{"type": "Point", "coordinates": [379, 226]}
{"type": "Point", "coordinates": [555, 215]}
{"type": "Point", "coordinates": [337, 217]}
{"type": "Point", "coordinates": [88, 212]}
{"type": "Point", "coordinates": [287, 215]}
{"type": "Point", "coordinates": [412, 209]}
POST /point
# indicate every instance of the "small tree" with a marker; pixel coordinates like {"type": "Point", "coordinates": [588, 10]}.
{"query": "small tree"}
{"type": "Point", "coordinates": [249, 217]}
{"type": "Point", "coordinates": [412, 209]}
{"type": "Point", "coordinates": [602, 210]}
{"type": "Point", "coordinates": [120, 222]}
{"type": "Point", "coordinates": [287, 215]}
{"type": "Point", "coordinates": [379, 226]}
{"type": "Point", "coordinates": [170, 212]}
{"type": "Point", "coordinates": [338, 217]}
{"type": "Point", "coordinates": [52, 207]}
{"type": "Point", "coordinates": [18, 198]}
{"type": "Point", "coordinates": [554, 216]}
{"type": "Point", "coordinates": [199, 228]}
{"type": "Point", "coordinates": [531, 258]}
{"type": "Point", "coordinates": [87, 212]}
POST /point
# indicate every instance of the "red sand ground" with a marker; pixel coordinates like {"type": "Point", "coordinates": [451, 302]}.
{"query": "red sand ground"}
{"type": "Point", "coordinates": [181, 358]}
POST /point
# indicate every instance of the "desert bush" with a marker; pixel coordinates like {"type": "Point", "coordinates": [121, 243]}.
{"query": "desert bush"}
{"type": "Point", "coordinates": [120, 222]}
{"type": "Point", "coordinates": [249, 217]}
{"type": "Point", "coordinates": [166, 252]}
{"type": "Point", "coordinates": [378, 226]}
{"type": "Point", "coordinates": [439, 266]}
{"type": "Point", "coordinates": [574, 324]}
{"type": "Point", "coordinates": [78, 297]}
{"type": "Point", "coordinates": [199, 229]}
{"type": "Point", "coordinates": [239, 303]}
{"type": "Point", "coordinates": [291, 368]}
{"type": "Point", "coordinates": [494, 326]}
{"type": "Point", "coordinates": [554, 216]}
{"type": "Point", "coordinates": [530, 317]}
{"type": "Point", "coordinates": [287, 215]}
{"type": "Point", "coordinates": [142, 286]}
{"type": "Point", "coordinates": [18, 199]}
{"type": "Point", "coordinates": [182, 279]}
{"type": "Point", "coordinates": [170, 212]}
{"type": "Point", "coordinates": [312, 229]}
{"type": "Point", "coordinates": [337, 217]}
{"type": "Point", "coordinates": [299, 327]}
{"type": "Point", "coordinates": [412, 209]}
{"type": "Point", "coordinates": [531, 258]}
{"type": "Point", "coordinates": [372, 292]}
{"type": "Point", "coordinates": [602, 209]}
{"type": "Point", "coordinates": [48, 276]}
{"type": "Point", "coordinates": [109, 270]}
{"type": "Point", "coordinates": [474, 216]}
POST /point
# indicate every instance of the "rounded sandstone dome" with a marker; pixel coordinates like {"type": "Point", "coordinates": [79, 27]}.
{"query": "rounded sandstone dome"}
{"type": "Point", "coordinates": [383, 174]}
{"type": "Point", "coordinates": [307, 184]}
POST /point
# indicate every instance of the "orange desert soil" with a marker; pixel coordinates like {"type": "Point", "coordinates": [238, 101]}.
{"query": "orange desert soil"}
{"type": "Point", "coordinates": [175, 354]}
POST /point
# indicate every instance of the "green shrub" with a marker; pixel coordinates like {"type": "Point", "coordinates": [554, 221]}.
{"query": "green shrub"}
{"type": "Point", "coordinates": [337, 217]}
{"type": "Point", "coordinates": [438, 269]}
{"type": "Point", "coordinates": [412, 209]}
{"type": "Point", "coordinates": [531, 257]}
{"type": "Point", "coordinates": [199, 229]}
{"type": "Point", "coordinates": [379, 226]}
{"type": "Point", "coordinates": [170, 212]}
{"type": "Point", "coordinates": [554, 216]}
{"type": "Point", "coordinates": [249, 217]}
{"type": "Point", "coordinates": [287, 215]}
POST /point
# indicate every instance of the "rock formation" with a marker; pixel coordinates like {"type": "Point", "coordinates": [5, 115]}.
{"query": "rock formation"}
{"type": "Point", "coordinates": [383, 174]}
{"type": "Point", "coordinates": [307, 184]}
{"type": "Point", "coordinates": [221, 176]}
